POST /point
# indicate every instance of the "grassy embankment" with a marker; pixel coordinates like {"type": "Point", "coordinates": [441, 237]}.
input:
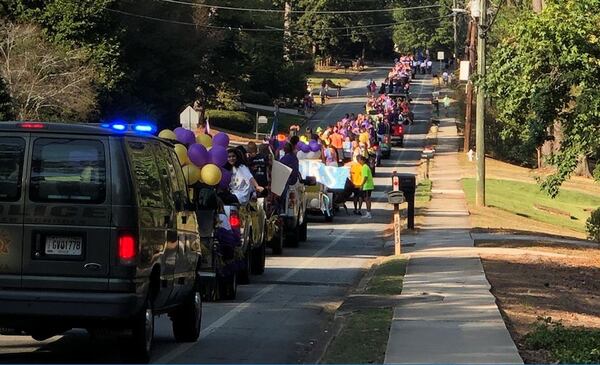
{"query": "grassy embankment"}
{"type": "Point", "coordinates": [364, 335]}
{"type": "Point", "coordinates": [515, 202]}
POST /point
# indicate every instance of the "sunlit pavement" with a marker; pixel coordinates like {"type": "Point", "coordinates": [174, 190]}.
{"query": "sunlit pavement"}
{"type": "Point", "coordinates": [284, 315]}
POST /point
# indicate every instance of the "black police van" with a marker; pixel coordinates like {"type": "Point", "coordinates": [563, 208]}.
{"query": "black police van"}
{"type": "Point", "coordinates": [96, 232]}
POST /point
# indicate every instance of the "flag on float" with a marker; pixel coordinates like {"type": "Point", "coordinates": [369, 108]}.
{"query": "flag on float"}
{"type": "Point", "coordinates": [274, 127]}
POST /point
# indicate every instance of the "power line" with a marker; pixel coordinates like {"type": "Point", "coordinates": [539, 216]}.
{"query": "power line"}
{"type": "Point", "coordinates": [267, 30]}
{"type": "Point", "coordinates": [280, 11]}
{"type": "Point", "coordinates": [188, 23]}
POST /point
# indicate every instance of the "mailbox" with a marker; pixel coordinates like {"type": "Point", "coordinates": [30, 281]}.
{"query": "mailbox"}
{"type": "Point", "coordinates": [408, 185]}
{"type": "Point", "coordinates": [395, 197]}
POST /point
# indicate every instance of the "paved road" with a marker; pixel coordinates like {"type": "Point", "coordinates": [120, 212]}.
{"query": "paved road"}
{"type": "Point", "coordinates": [284, 315]}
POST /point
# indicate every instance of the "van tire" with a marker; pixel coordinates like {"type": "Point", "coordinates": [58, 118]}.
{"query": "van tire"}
{"type": "Point", "coordinates": [187, 319]}
{"type": "Point", "coordinates": [227, 287]}
{"type": "Point", "coordinates": [277, 242]}
{"type": "Point", "coordinates": [258, 257]}
{"type": "Point", "coordinates": [293, 238]}
{"type": "Point", "coordinates": [244, 274]}
{"type": "Point", "coordinates": [328, 217]}
{"type": "Point", "coordinates": [142, 333]}
{"type": "Point", "coordinates": [303, 230]}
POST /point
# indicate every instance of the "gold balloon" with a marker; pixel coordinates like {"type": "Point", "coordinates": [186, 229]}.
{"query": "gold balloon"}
{"type": "Point", "coordinates": [167, 134]}
{"type": "Point", "coordinates": [191, 173]}
{"type": "Point", "coordinates": [304, 139]}
{"type": "Point", "coordinates": [181, 152]}
{"type": "Point", "coordinates": [210, 174]}
{"type": "Point", "coordinates": [204, 139]}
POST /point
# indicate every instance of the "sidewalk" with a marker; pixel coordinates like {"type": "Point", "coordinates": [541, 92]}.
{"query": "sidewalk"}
{"type": "Point", "coordinates": [450, 316]}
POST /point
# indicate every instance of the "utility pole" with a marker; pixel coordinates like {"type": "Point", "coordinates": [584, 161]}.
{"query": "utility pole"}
{"type": "Point", "coordinates": [454, 14]}
{"type": "Point", "coordinates": [472, 52]}
{"type": "Point", "coordinates": [480, 113]}
{"type": "Point", "coordinates": [538, 5]}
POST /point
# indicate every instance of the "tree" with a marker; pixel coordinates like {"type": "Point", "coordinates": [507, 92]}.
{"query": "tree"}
{"type": "Point", "coordinates": [5, 102]}
{"type": "Point", "coordinates": [44, 81]}
{"type": "Point", "coordinates": [79, 24]}
{"type": "Point", "coordinates": [545, 71]}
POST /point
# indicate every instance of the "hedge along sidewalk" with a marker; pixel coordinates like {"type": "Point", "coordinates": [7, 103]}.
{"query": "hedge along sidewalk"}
{"type": "Point", "coordinates": [364, 320]}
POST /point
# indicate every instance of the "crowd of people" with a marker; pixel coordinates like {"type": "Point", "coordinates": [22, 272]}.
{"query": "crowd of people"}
{"type": "Point", "coordinates": [353, 141]}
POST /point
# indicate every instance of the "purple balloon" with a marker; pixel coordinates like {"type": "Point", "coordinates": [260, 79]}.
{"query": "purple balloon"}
{"type": "Point", "coordinates": [305, 148]}
{"type": "Point", "coordinates": [221, 139]}
{"type": "Point", "coordinates": [218, 155]}
{"type": "Point", "coordinates": [225, 179]}
{"type": "Point", "coordinates": [185, 136]}
{"type": "Point", "coordinates": [299, 145]}
{"type": "Point", "coordinates": [198, 154]}
{"type": "Point", "coordinates": [314, 146]}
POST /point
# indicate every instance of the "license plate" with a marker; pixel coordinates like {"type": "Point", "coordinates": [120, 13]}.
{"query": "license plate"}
{"type": "Point", "coordinates": [64, 246]}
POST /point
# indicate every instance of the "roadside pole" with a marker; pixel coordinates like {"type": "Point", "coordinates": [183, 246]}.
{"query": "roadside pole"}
{"type": "Point", "coordinates": [396, 197]}
{"type": "Point", "coordinates": [480, 113]}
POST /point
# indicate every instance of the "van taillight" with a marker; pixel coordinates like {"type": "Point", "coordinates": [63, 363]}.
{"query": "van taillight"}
{"type": "Point", "coordinates": [234, 220]}
{"type": "Point", "coordinates": [127, 247]}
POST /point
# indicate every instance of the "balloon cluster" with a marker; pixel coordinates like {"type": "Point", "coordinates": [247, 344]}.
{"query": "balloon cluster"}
{"type": "Point", "coordinates": [308, 149]}
{"type": "Point", "coordinates": [202, 157]}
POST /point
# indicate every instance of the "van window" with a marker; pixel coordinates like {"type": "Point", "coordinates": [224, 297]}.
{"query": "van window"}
{"type": "Point", "coordinates": [11, 168]}
{"type": "Point", "coordinates": [146, 175]}
{"type": "Point", "coordinates": [68, 170]}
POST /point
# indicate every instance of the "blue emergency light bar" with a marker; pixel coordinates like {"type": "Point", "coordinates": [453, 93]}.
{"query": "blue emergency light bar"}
{"type": "Point", "coordinates": [122, 126]}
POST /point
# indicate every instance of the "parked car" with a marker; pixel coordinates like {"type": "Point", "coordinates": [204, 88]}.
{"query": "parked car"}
{"type": "Point", "coordinates": [97, 232]}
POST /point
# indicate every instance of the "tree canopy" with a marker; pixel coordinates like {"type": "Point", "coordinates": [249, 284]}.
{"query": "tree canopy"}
{"type": "Point", "coordinates": [546, 70]}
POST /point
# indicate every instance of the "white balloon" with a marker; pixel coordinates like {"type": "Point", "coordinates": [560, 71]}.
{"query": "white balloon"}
{"type": "Point", "coordinates": [301, 155]}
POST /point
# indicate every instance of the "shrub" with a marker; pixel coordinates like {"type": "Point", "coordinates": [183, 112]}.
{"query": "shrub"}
{"type": "Point", "coordinates": [592, 226]}
{"type": "Point", "coordinates": [257, 97]}
{"type": "Point", "coordinates": [231, 120]}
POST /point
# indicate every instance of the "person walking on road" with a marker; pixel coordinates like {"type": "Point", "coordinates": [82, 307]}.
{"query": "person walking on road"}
{"type": "Point", "coordinates": [357, 180]}
{"type": "Point", "coordinates": [367, 186]}
{"type": "Point", "coordinates": [446, 102]}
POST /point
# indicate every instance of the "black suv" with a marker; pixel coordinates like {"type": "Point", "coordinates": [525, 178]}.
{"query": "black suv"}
{"type": "Point", "coordinates": [96, 231]}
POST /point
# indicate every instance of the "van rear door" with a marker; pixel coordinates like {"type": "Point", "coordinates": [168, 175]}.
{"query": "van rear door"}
{"type": "Point", "coordinates": [66, 243]}
{"type": "Point", "coordinates": [12, 158]}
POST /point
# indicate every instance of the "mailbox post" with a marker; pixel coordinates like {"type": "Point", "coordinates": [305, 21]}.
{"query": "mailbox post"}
{"type": "Point", "coordinates": [396, 198]}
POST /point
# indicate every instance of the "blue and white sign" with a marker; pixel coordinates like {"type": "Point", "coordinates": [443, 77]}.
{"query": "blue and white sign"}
{"type": "Point", "coordinates": [330, 176]}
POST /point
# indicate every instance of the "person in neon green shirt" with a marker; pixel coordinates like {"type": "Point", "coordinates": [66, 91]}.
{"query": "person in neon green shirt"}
{"type": "Point", "coordinates": [368, 185]}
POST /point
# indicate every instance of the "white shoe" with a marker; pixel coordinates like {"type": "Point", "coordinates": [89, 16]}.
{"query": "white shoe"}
{"type": "Point", "coordinates": [367, 216]}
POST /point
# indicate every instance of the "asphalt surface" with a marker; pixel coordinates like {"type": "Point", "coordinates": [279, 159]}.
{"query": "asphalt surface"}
{"type": "Point", "coordinates": [283, 316]}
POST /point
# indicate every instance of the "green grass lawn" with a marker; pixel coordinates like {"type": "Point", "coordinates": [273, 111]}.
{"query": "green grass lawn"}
{"type": "Point", "coordinates": [388, 278]}
{"type": "Point", "coordinates": [285, 120]}
{"type": "Point", "coordinates": [316, 78]}
{"type": "Point", "coordinates": [521, 199]}
{"type": "Point", "coordinates": [565, 345]}
{"type": "Point", "coordinates": [423, 192]}
{"type": "Point", "coordinates": [363, 338]}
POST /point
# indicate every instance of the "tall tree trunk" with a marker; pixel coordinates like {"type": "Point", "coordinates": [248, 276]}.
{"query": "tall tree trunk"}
{"type": "Point", "coordinates": [538, 5]}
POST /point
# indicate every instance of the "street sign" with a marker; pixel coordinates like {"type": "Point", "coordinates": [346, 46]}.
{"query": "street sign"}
{"type": "Point", "coordinates": [189, 119]}
{"type": "Point", "coordinates": [263, 120]}
{"type": "Point", "coordinates": [441, 56]}
{"type": "Point", "coordinates": [464, 70]}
